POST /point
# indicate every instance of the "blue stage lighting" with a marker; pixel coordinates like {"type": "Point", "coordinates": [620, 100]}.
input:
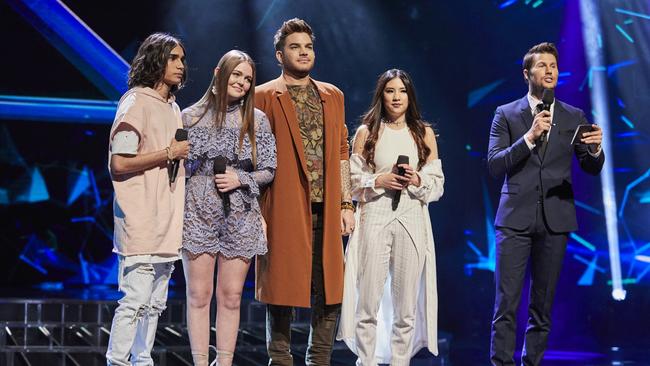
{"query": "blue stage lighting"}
{"type": "Point", "coordinates": [589, 13]}
{"type": "Point", "coordinates": [78, 43]}
{"type": "Point", "coordinates": [57, 109]}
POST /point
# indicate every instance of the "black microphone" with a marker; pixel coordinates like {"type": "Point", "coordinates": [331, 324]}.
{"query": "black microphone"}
{"type": "Point", "coordinates": [401, 159]}
{"type": "Point", "coordinates": [181, 135]}
{"type": "Point", "coordinates": [547, 99]}
{"type": "Point", "coordinates": [219, 167]}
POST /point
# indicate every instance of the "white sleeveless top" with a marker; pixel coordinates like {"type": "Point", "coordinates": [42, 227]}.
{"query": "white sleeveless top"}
{"type": "Point", "coordinates": [390, 145]}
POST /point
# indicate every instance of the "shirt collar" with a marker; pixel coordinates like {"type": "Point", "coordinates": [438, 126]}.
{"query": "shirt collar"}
{"type": "Point", "coordinates": [533, 102]}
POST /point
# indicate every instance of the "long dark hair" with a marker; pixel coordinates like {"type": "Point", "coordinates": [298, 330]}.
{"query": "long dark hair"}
{"type": "Point", "coordinates": [372, 118]}
{"type": "Point", "coordinates": [218, 100]}
{"type": "Point", "coordinates": [149, 64]}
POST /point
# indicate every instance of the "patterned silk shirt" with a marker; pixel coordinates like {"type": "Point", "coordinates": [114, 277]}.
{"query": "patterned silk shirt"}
{"type": "Point", "coordinates": [309, 111]}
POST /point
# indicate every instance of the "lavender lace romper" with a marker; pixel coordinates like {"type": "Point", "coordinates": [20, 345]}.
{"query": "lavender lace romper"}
{"type": "Point", "coordinates": [206, 229]}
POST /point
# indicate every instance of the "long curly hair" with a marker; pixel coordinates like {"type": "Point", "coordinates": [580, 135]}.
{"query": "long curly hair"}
{"type": "Point", "coordinates": [149, 64]}
{"type": "Point", "coordinates": [216, 97]}
{"type": "Point", "coordinates": [372, 118]}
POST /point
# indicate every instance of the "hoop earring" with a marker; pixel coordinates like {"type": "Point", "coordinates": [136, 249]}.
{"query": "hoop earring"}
{"type": "Point", "coordinates": [214, 89]}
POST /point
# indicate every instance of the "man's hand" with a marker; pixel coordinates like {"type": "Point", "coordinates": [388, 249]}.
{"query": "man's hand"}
{"type": "Point", "coordinates": [541, 124]}
{"type": "Point", "coordinates": [593, 138]}
{"type": "Point", "coordinates": [347, 221]}
{"type": "Point", "coordinates": [179, 149]}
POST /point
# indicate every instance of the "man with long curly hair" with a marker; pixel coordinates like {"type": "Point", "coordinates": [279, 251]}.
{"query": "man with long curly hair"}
{"type": "Point", "coordinates": [148, 205]}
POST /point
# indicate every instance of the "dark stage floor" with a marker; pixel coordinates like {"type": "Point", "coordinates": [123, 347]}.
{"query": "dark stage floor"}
{"type": "Point", "coordinates": [67, 326]}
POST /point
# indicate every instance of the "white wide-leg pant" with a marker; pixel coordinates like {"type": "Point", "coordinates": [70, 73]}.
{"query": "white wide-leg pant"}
{"type": "Point", "coordinates": [395, 251]}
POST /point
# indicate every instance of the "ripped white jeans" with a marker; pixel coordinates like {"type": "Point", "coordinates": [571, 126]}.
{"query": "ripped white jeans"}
{"type": "Point", "coordinates": [133, 331]}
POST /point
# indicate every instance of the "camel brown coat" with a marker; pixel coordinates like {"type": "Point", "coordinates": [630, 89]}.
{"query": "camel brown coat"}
{"type": "Point", "coordinates": [283, 275]}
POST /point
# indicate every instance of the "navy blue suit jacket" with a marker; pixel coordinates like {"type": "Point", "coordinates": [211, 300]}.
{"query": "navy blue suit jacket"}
{"type": "Point", "coordinates": [527, 176]}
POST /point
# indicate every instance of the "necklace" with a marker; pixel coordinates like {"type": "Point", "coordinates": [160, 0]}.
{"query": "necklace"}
{"type": "Point", "coordinates": [394, 123]}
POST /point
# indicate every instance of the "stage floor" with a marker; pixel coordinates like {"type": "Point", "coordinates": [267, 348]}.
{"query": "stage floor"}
{"type": "Point", "coordinates": [70, 326]}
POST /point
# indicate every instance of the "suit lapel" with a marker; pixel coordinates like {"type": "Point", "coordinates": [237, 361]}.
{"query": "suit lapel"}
{"type": "Point", "coordinates": [290, 118]}
{"type": "Point", "coordinates": [526, 114]}
{"type": "Point", "coordinates": [559, 114]}
{"type": "Point", "coordinates": [527, 120]}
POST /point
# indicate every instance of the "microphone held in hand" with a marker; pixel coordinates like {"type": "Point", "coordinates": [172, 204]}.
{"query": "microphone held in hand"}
{"type": "Point", "coordinates": [548, 96]}
{"type": "Point", "coordinates": [401, 159]}
{"type": "Point", "coordinates": [181, 135]}
{"type": "Point", "coordinates": [219, 167]}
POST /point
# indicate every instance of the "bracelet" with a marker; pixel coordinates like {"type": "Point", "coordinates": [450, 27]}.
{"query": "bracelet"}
{"type": "Point", "coordinates": [347, 206]}
{"type": "Point", "coordinates": [169, 153]}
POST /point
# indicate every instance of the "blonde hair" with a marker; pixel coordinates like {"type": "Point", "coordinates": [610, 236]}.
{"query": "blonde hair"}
{"type": "Point", "coordinates": [218, 100]}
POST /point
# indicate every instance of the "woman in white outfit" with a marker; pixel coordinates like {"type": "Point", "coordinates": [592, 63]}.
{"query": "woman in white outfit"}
{"type": "Point", "coordinates": [390, 300]}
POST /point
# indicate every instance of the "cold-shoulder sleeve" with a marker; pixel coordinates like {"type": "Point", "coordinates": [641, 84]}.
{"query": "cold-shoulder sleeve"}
{"type": "Point", "coordinates": [432, 182]}
{"type": "Point", "coordinates": [363, 180]}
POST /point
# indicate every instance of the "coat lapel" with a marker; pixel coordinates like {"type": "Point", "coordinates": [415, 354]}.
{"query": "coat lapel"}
{"type": "Point", "coordinates": [289, 111]}
{"type": "Point", "coordinates": [329, 133]}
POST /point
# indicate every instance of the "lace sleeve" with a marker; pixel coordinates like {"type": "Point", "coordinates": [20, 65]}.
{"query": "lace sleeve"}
{"type": "Point", "coordinates": [266, 158]}
{"type": "Point", "coordinates": [192, 162]}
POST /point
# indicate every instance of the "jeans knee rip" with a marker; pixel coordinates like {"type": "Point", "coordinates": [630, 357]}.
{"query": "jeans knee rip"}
{"type": "Point", "coordinates": [145, 268]}
{"type": "Point", "coordinates": [157, 307]}
{"type": "Point", "coordinates": [140, 313]}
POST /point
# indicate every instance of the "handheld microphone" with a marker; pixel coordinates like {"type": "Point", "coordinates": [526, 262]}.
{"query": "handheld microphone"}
{"type": "Point", "coordinates": [181, 135]}
{"type": "Point", "coordinates": [548, 96]}
{"type": "Point", "coordinates": [401, 159]}
{"type": "Point", "coordinates": [219, 167]}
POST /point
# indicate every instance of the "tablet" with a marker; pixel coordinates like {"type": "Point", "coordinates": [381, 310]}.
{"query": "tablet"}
{"type": "Point", "coordinates": [578, 134]}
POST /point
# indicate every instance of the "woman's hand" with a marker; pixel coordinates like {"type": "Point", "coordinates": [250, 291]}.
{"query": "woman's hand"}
{"type": "Point", "coordinates": [412, 175]}
{"type": "Point", "coordinates": [391, 181]}
{"type": "Point", "coordinates": [266, 237]}
{"type": "Point", "coordinates": [228, 181]}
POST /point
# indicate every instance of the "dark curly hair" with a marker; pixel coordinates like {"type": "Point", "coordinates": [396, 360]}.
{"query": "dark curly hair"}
{"type": "Point", "coordinates": [149, 64]}
{"type": "Point", "coordinates": [291, 26]}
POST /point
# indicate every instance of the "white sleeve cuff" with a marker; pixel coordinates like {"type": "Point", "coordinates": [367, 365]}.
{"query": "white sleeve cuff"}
{"type": "Point", "coordinates": [597, 153]}
{"type": "Point", "coordinates": [531, 145]}
{"type": "Point", "coordinates": [125, 142]}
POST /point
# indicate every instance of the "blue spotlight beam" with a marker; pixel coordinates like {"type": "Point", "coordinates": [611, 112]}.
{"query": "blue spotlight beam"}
{"type": "Point", "coordinates": [104, 67]}
{"type": "Point", "coordinates": [57, 109]}
{"type": "Point", "coordinates": [590, 17]}
{"type": "Point", "coordinates": [632, 13]}
{"type": "Point", "coordinates": [582, 241]}
{"type": "Point", "coordinates": [629, 188]}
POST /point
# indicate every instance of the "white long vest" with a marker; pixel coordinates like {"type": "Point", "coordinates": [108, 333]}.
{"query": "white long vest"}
{"type": "Point", "coordinates": [376, 202]}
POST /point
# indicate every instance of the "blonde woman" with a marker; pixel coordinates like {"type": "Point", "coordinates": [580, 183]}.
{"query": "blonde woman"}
{"type": "Point", "coordinates": [223, 225]}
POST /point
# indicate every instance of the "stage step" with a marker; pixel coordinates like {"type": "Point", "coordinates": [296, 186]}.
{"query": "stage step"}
{"type": "Point", "coordinates": [67, 332]}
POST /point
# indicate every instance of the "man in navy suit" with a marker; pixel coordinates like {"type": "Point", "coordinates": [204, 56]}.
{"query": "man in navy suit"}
{"type": "Point", "coordinates": [532, 148]}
